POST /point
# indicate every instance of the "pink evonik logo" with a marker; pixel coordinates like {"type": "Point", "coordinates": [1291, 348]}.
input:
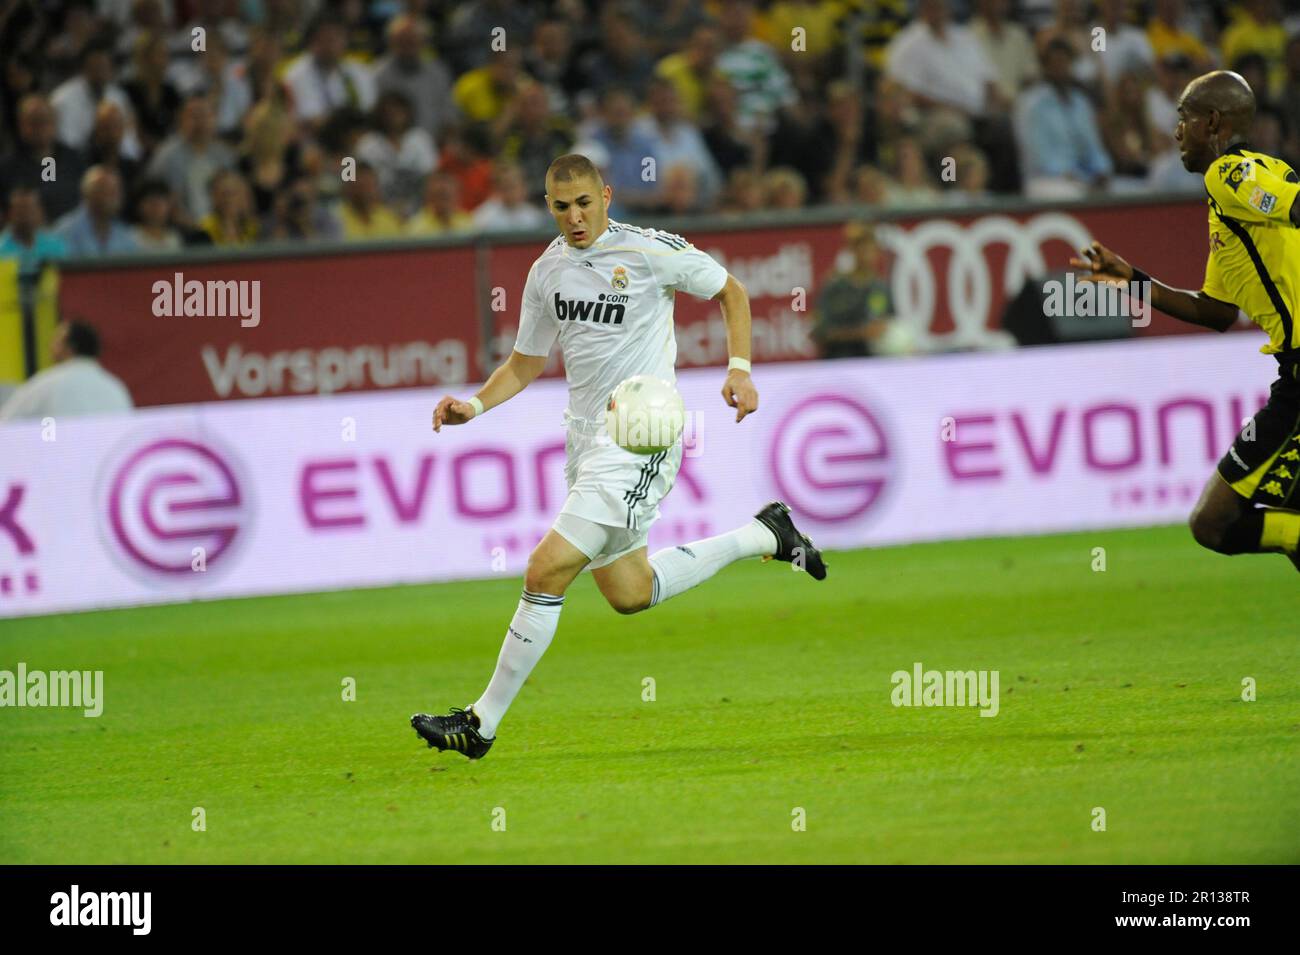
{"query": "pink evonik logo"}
{"type": "Point", "coordinates": [830, 458]}
{"type": "Point", "coordinates": [171, 496]}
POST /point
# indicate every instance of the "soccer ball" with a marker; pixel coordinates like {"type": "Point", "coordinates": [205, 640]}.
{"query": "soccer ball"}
{"type": "Point", "coordinates": [644, 415]}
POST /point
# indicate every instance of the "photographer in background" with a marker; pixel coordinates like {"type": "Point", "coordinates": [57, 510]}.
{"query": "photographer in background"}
{"type": "Point", "coordinates": [855, 306]}
{"type": "Point", "coordinates": [75, 385]}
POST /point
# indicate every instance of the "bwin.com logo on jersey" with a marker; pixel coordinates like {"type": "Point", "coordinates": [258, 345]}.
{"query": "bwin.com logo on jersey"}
{"type": "Point", "coordinates": [619, 281]}
{"type": "Point", "coordinates": [606, 310]}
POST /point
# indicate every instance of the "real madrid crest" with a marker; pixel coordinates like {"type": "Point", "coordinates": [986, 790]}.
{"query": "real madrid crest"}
{"type": "Point", "coordinates": [619, 281]}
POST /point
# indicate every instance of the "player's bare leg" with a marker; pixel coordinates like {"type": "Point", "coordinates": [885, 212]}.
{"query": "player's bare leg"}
{"type": "Point", "coordinates": [1227, 523]}
{"type": "Point", "coordinates": [552, 567]}
{"type": "Point", "coordinates": [627, 583]}
{"type": "Point", "coordinates": [636, 582]}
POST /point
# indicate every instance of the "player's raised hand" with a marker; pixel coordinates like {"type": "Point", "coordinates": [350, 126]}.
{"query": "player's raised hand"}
{"type": "Point", "coordinates": [739, 392]}
{"type": "Point", "coordinates": [451, 411]}
{"type": "Point", "coordinates": [1103, 265]}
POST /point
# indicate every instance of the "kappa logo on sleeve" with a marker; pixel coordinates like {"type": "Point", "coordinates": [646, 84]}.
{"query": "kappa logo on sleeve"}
{"type": "Point", "coordinates": [1263, 201]}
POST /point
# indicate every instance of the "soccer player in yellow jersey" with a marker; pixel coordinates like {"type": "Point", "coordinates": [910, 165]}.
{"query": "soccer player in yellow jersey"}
{"type": "Point", "coordinates": [1248, 507]}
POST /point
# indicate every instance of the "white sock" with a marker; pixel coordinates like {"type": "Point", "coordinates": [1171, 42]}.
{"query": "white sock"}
{"type": "Point", "coordinates": [678, 569]}
{"type": "Point", "coordinates": [529, 635]}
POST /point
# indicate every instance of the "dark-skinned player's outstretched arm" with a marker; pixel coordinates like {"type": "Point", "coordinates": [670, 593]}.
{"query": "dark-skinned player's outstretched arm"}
{"type": "Point", "coordinates": [1194, 307]}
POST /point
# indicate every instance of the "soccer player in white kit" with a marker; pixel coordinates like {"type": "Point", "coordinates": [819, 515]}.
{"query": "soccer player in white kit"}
{"type": "Point", "coordinates": [605, 290]}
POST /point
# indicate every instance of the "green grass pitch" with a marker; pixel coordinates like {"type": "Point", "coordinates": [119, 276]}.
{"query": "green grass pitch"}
{"type": "Point", "coordinates": [1120, 689]}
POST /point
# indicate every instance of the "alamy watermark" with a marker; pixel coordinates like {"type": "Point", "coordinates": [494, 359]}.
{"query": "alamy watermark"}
{"type": "Point", "coordinates": [922, 687]}
{"type": "Point", "coordinates": [214, 298]}
{"type": "Point", "coordinates": [1075, 299]}
{"type": "Point", "coordinates": [78, 688]}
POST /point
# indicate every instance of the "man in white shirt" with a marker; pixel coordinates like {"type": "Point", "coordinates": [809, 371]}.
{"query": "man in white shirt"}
{"type": "Point", "coordinates": [941, 63]}
{"type": "Point", "coordinates": [76, 101]}
{"type": "Point", "coordinates": [322, 81]}
{"type": "Point", "coordinates": [604, 290]}
{"type": "Point", "coordinates": [76, 385]}
{"type": "Point", "coordinates": [508, 208]}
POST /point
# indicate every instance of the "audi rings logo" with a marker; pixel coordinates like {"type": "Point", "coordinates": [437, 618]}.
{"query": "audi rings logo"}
{"type": "Point", "coordinates": [969, 281]}
{"type": "Point", "coordinates": [169, 497]}
{"type": "Point", "coordinates": [831, 458]}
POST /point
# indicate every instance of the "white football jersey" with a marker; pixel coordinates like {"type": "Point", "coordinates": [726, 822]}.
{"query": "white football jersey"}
{"type": "Point", "coordinates": [611, 306]}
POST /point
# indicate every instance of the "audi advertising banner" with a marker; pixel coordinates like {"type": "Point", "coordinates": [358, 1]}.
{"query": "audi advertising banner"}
{"type": "Point", "coordinates": [380, 319]}
{"type": "Point", "coordinates": [315, 493]}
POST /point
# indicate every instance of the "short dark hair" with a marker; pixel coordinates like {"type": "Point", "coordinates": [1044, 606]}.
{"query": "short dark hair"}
{"type": "Point", "coordinates": [572, 166]}
{"type": "Point", "coordinates": [82, 339]}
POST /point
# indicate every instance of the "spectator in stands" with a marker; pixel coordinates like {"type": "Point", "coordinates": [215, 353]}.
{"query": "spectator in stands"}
{"type": "Point", "coordinates": [225, 82]}
{"type": "Point", "coordinates": [153, 97]}
{"type": "Point", "coordinates": [269, 155]}
{"type": "Point", "coordinates": [441, 212]}
{"type": "Point", "coordinates": [401, 153]}
{"type": "Point", "coordinates": [534, 137]}
{"type": "Point", "coordinates": [1127, 48]}
{"type": "Point", "coordinates": [784, 188]}
{"type": "Point", "coordinates": [233, 220]}
{"type": "Point", "coordinates": [730, 147]}
{"type": "Point", "coordinates": [261, 67]}
{"type": "Point", "coordinates": [842, 128]}
{"type": "Point", "coordinates": [744, 193]}
{"type": "Point", "coordinates": [1126, 131]}
{"type": "Point", "coordinates": [944, 68]}
{"type": "Point", "coordinates": [1061, 150]}
{"type": "Point", "coordinates": [75, 385]}
{"type": "Point", "coordinates": [65, 51]}
{"type": "Point", "coordinates": [953, 86]}
{"type": "Point", "coordinates": [1007, 46]}
{"type": "Point", "coordinates": [417, 74]}
{"type": "Point", "coordinates": [693, 70]}
{"type": "Point", "coordinates": [189, 158]}
{"type": "Point", "coordinates": [321, 80]}
{"type": "Point", "coordinates": [1072, 24]}
{"type": "Point", "coordinates": [93, 228]}
{"type": "Point", "coordinates": [625, 149]}
{"type": "Point", "coordinates": [674, 25]}
{"type": "Point", "coordinates": [297, 215]}
{"type": "Point", "coordinates": [509, 207]}
{"type": "Point", "coordinates": [19, 77]}
{"type": "Point", "coordinates": [679, 193]}
{"type": "Point", "coordinates": [25, 238]}
{"type": "Point", "coordinates": [153, 213]}
{"type": "Point", "coordinates": [972, 172]}
{"type": "Point", "coordinates": [876, 23]}
{"type": "Point", "coordinates": [1289, 102]}
{"type": "Point", "coordinates": [76, 100]}
{"type": "Point", "coordinates": [1254, 70]}
{"type": "Point", "coordinates": [854, 306]}
{"type": "Point", "coordinates": [622, 59]}
{"type": "Point", "coordinates": [140, 18]}
{"type": "Point", "coordinates": [464, 156]}
{"type": "Point", "coordinates": [549, 60]}
{"type": "Point", "coordinates": [870, 186]}
{"type": "Point", "coordinates": [106, 147]}
{"type": "Point", "coordinates": [29, 162]}
{"type": "Point", "coordinates": [1168, 37]}
{"type": "Point", "coordinates": [472, 28]}
{"type": "Point", "coordinates": [676, 142]}
{"type": "Point", "coordinates": [1257, 28]}
{"type": "Point", "coordinates": [482, 94]}
{"type": "Point", "coordinates": [364, 214]}
{"type": "Point", "coordinates": [754, 69]}
{"type": "Point", "coordinates": [913, 183]}
{"type": "Point", "coordinates": [1173, 72]}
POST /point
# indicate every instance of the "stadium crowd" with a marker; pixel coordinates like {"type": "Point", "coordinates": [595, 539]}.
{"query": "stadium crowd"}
{"type": "Point", "coordinates": [139, 125]}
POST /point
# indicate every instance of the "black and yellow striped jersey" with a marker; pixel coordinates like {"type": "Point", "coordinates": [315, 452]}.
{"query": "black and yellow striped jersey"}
{"type": "Point", "coordinates": [1254, 260]}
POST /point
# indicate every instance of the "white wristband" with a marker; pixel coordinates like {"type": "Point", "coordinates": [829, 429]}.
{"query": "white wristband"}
{"type": "Point", "coordinates": [739, 363]}
{"type": "Point", "coordinates": [477, 405]}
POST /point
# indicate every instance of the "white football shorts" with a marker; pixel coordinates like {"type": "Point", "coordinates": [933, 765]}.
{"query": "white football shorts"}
{"type": "Point", "coordinates": [613, 488]}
